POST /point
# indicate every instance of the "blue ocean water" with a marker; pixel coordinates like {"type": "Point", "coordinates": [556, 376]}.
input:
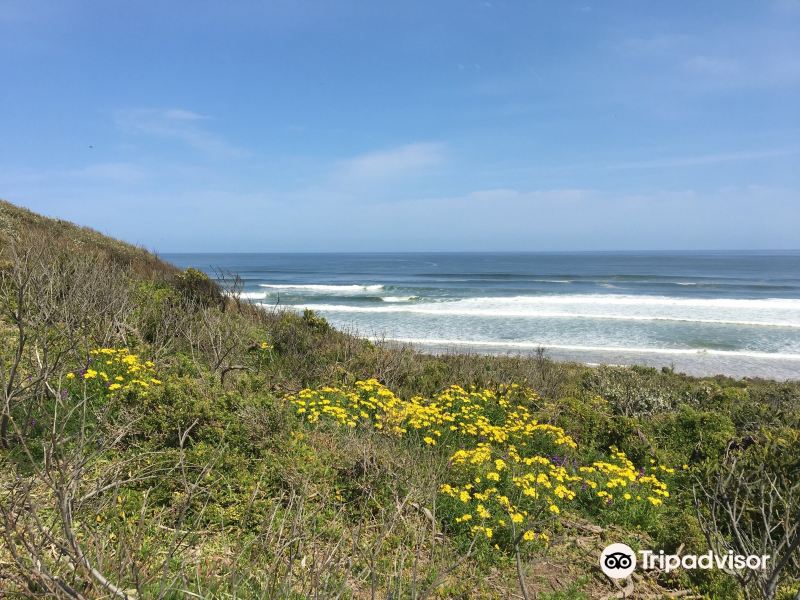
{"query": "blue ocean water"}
{"type": "Point", "coordinates": [735, 313]}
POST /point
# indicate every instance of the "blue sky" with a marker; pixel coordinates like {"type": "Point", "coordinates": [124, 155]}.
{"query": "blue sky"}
{"type": "Point", "coordinates": [299, 125]}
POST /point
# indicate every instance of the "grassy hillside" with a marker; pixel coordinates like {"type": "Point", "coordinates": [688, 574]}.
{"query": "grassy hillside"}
{"type": "Point", "coordinates": [16, 221]}
{"type": "Point", "coordinates": [163, 439]}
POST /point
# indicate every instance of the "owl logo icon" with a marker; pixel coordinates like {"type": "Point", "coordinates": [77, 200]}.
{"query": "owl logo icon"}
{"type": "Point", "coordinates": [618, 561]}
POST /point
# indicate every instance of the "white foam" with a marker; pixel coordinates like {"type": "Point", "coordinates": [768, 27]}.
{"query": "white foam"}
{"type": "Point", "coordinates": [771, 312]}
{"type": "Point", "coordinates": [333, 290]}
{"type": "Point", "coordinates": [580, 348]}
{"type": "Point", "coordinates": [396, 299]}
{"type": "Point", "coordinates": [253, 295]}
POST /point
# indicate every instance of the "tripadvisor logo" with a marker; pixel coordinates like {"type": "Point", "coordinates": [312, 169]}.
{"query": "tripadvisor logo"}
{"type": "Point", "coordinates": [619, 561]}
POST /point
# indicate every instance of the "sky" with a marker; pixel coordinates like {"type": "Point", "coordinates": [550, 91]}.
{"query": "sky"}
{"type": "Point", "coordinates": [421, 125]}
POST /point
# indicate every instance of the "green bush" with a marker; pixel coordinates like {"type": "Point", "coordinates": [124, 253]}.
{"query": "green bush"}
{"type": "Point", "coordinates": [198, 287]}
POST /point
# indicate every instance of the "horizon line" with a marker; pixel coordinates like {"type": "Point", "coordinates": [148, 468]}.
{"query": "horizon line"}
{"type": "Point", "coordinates": [603, 251]}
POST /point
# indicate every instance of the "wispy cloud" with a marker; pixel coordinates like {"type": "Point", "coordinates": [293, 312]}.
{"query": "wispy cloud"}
{"type": "Point", "coordinates": [663, 162]}
{"type": "Point", "coordinates": [176, 124]}
{"type": "Point", "coordinates": [664, 43]}
{"type": "Point", "coordinates": [759, 58]}
{"type": "Point", "coordinates": [180, 114]}
{"type": "Point", "coordinates": [504, 195]}
{"type": "Point", "coordinates": [113, 172]}
{"type": "Point", "coordinates": [394, 162]}
{"type": "Point", "coordinates": [703, 159]}
{"type": "Point", "coordinates": [712, 66]}
{"type": "Point", "coordinates": [786, 6]}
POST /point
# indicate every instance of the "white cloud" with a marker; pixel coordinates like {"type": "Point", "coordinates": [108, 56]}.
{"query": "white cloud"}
{"type": "Point", "coordinates": [720, 60]}
{"type": "Point", "coordinates": [114, 172]}
{"type": "Point", "coordinates": [119, 173]}
{"type": "Point", "coordinates": [787, 6]}
{"type": "Point", "coordinates": [400, 161]}
{"type": "Point", "coordinates": [704, 159]}
{"type": "Point", "coordinates": [183, 115]}
{"type": "Point", "coordinates": [712, 66]}
{"type": "Point", "coordinates": [654, 45]}
{"type": "Point", "coordinates": [176, 124]}
{"type": "Point", "coordinates": [548, 195]}
{"type": "Point", "coordinates": [658, 162]}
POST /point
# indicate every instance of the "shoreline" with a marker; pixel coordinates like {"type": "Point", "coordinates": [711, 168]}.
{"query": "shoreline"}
{"type": "Point", "coordinates": [693, 363]}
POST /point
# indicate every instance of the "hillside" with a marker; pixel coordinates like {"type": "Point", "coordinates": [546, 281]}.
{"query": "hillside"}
{"type": "Point", "coordinates": [162, 438]}
{"type": "Point", "coordinates": [16, 221]}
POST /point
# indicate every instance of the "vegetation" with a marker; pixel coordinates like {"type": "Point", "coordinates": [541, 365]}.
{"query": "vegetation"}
{"type": "Point", "coordinates": [162, 439]}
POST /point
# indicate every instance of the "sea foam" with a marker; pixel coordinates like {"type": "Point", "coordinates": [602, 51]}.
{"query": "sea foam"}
{"type": "Point", "coordinates": [324, 289]}
{"type": "Point", "coordinates": [769, 312]}
{"type": "Point", "coordinates": [604, 349]}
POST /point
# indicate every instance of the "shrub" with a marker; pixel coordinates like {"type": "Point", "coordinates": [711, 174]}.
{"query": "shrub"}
{"type": "Point", "coordinates": [198, 287]}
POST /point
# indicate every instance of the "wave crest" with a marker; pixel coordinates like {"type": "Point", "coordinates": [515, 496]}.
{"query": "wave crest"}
{"type": "Point", "coordinates": [771, 312]}
{"type": "Point", "coordinates": [324, 289]}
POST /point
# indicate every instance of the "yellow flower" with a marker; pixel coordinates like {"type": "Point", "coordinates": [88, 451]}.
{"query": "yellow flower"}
{"type": "Point", "coordinates": [529, 536]}
{"type": "Point", "coordinates": [70, 375]}
{"type": "Point", "coordinates": [490, 424]}
{"type": "Point", "coordinates": [114, 386]}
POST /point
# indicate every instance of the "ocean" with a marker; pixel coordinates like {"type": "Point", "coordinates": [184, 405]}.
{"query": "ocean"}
{"type": "Point", "coordinates": [732, 313]}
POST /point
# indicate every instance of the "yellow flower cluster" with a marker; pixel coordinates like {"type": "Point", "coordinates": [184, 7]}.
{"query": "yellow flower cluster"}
{"type": "Point", "coordinates": [509, 473]}
{"type": "Point", "coordinates": [497, 417]}
{"type": "Point", "coordinates": [118, 371]}
{"type": "Point", "coordinates": [621, 475]}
